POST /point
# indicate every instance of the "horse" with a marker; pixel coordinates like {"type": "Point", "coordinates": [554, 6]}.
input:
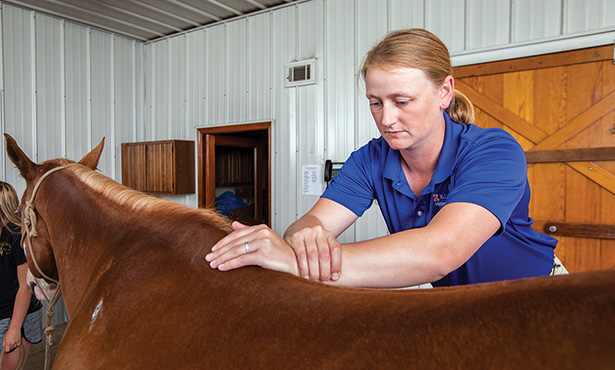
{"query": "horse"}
{"type": "Point", "coordinates": [140, 295]}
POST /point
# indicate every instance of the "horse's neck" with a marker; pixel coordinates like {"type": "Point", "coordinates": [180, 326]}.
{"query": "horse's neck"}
{"type": "Point", "coordinates": [78, 228]}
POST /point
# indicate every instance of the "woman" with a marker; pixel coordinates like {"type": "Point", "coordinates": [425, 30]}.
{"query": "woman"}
{"type": "Point", "coordinates": [20, 311]}
{"type": "Point", "coordinates": [454, 196]}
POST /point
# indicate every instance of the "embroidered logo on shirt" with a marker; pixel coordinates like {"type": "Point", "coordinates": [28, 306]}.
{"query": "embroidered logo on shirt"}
{"type": "Point", "coordinates": [439, 199]}
{"type": "Point", "coordinates": [5, 249]}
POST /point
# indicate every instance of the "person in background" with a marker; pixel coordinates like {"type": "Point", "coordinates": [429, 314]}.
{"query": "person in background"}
{"type": "Point", "coordinates": [454, 196]}
{"type": "Point", "coordinates": [20, 311]}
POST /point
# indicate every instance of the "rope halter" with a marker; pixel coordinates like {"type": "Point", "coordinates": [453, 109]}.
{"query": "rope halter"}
{"type": "Point", "coordinates": [29, 221]}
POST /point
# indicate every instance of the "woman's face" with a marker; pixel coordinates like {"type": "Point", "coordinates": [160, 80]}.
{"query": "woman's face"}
{"type": "Point", "coordinates": [407, 106]}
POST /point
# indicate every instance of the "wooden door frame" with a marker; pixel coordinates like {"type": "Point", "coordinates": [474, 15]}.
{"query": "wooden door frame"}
{"type": "Point", "coordinates": [205, 144]}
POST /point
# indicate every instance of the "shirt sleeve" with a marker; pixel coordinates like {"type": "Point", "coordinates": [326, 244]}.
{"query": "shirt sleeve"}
{"type": "Point", "coordinates": [353, 186]}
{"type": "Point", "coordinates": [492, 173]}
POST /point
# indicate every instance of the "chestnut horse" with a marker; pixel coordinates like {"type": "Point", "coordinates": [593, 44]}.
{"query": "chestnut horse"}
{"type": "Point", "coordinates": [140, 295]}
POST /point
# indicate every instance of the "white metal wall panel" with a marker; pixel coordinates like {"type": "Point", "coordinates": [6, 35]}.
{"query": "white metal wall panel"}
{"type": "Point", "coordinates": [102, 97]}
{"type": "Point", "coordinates": [216, 75]}
{"type": "Point", "coordinates": [76, 51]}
{"type": "Point", "coordinates": [125, 89]}
{"type": "Point", "coordinates": [160, 91]}
{"type": "Point", "coordinates": [177, 128]}
{"type": "Point", "coordinates": [406, 14]}
{"type": "Point", "coordinates": [195, 70]}
{"type": "Point", "coordinates": [339, 71]}
{"type": "Point", "coordinates": [446, 18]}
{"type": "Point", "coordinates": [144, 131]}
{"type": "Point", "coordinates": [124, 104]}
{"type": "Point", "coordinates": [49, 87]}
{"type": "Point", "coordinates": [237, 71]}
{"type": "Point", "coordinates": [581, 15]}
{"type": "Point", "coordinates": [19, 85]}
{"type": "Point", "coordinates": [488, 23]}
{"type": "Point", "coordinates": [259, 67]}
{"type": "Point", "coordinates": [310, 117]}
{"type": "Point", "coordinates": [531, 20]}
{"type": "Point", "coordinates": [284, 190]}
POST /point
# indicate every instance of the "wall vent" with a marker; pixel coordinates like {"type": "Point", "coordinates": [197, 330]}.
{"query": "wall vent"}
{"type": "Point", "coordinates": [300, 73]}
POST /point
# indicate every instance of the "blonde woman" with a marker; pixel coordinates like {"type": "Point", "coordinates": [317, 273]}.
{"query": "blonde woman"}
{"type": "Point", "coordinates": [20, 311]}
{"type": "Point", "coordinates": [453, 195]}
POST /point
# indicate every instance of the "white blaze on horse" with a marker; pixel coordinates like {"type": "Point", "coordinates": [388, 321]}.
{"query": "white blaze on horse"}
{"type": "Point", "coordinates": [140, 295]}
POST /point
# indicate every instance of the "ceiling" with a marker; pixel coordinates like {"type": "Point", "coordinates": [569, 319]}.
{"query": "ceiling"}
{"type": "Point", "coordinates": [146, 20]}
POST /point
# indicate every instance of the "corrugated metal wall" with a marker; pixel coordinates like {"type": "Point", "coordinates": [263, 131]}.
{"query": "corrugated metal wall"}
{"type": "Point", "coordinates": [65, 86]}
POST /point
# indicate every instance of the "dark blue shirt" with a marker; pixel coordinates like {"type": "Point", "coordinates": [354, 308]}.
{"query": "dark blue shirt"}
{"type": "Point", "coordinates": [486, 167]}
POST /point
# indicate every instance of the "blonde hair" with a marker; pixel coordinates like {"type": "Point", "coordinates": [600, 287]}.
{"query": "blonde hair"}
{"type": "Point", "coordinates": [8, 206]}
{"type": "Point", "coordinates": [420, 49]}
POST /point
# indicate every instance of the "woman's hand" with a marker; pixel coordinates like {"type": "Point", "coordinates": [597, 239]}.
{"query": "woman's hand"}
{"type": "Point", "coordinates": [12, 339]}
{"type": "Point", "coordinates": [253, 245]}
{"type": "Point", "coordinates": [318, 252]}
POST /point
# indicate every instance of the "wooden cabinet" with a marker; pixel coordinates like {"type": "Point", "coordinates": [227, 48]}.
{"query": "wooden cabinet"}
{"type": "Point", "coordinates": [160, 167]}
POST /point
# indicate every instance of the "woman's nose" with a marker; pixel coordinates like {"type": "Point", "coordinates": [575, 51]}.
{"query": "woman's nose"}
{"type": "Point", "coordinates": [388, 116]}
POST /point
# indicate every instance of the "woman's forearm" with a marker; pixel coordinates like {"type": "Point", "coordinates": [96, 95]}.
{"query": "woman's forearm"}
{"type": "Point", "coordinates": [20, 307]}
{"type": "Point", "coordinates": [421, 255]}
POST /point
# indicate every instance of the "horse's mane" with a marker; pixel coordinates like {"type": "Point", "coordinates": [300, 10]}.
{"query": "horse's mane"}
{"type": "Point", "coordinates": [138, 201]}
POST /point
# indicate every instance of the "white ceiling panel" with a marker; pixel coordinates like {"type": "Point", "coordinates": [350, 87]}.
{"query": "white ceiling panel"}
{"type": "Point", "coordinates": [147, 20]}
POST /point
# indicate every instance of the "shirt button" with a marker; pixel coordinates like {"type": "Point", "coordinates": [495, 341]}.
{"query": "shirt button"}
{"type": "Point", "coordinates": [419, 213]}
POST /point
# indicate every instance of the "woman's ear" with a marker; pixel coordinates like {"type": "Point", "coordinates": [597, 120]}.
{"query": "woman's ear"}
{"type": "Point", "coordinates": [447, 91]}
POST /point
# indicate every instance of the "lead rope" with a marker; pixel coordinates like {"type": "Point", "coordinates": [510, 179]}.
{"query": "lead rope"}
{"type": "Point", "coordinates": [29, 220]}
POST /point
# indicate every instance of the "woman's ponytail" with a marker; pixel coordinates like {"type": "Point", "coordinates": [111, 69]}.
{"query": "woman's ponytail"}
{"type": "Point", "coordinates": [461, 108]}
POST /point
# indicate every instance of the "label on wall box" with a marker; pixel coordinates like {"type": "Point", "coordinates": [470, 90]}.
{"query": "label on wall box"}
{"type": "Point", "coordinates": [312, 179]}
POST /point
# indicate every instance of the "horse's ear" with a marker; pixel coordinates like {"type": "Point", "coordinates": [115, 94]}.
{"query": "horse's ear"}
{"type": "Point", "coordinates": [25, 166]}
{"type": "Point", "coordinates": [91, 159]}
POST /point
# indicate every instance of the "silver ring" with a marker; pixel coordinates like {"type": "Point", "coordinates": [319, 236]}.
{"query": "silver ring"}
{"type": "Point", "coordinates": [247, 248]}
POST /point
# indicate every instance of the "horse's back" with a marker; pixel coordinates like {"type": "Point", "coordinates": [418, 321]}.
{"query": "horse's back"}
{"type": "Point", "coordinates": [259, 319]}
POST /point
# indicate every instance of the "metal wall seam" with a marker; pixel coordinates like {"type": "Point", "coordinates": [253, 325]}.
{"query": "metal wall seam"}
{"type": "Point", "coordinates": [112, 107]}
{"type": "Point", "coordinates": [298, 122]}
{"type": "Point", "coordinates": [247, 71]}
{"type": "Point", "coordinates": [170, 85]}
{"type": "Point", "coordinates": [33, 82]}
{"type": "Point", "coordinates": [325, 82]}
{"type": "Point", "coordinates": [153, 86]}
{"type": "Point", "coordinates": [273, 154]}
{"type": "Point", "coordinates": [63, 88]}
{"type": "Point", "coordinates": [189, 134]}
{"type": "Point", "coordinates": [133, 94]}
{"type": "Point", "coordinates": [89, 84]}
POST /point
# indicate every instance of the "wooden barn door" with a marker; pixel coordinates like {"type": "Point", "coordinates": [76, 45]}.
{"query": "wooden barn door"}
{"type": "Point", "coordinates": [561, 109]}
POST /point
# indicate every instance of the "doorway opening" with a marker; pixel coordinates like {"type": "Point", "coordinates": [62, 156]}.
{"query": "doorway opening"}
{"type": "Point", "coordinates": [234, 171]}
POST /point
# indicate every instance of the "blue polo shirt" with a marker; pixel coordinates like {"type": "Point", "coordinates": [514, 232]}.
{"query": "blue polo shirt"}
{"type": "Point", "coordinates": [481, 166]}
